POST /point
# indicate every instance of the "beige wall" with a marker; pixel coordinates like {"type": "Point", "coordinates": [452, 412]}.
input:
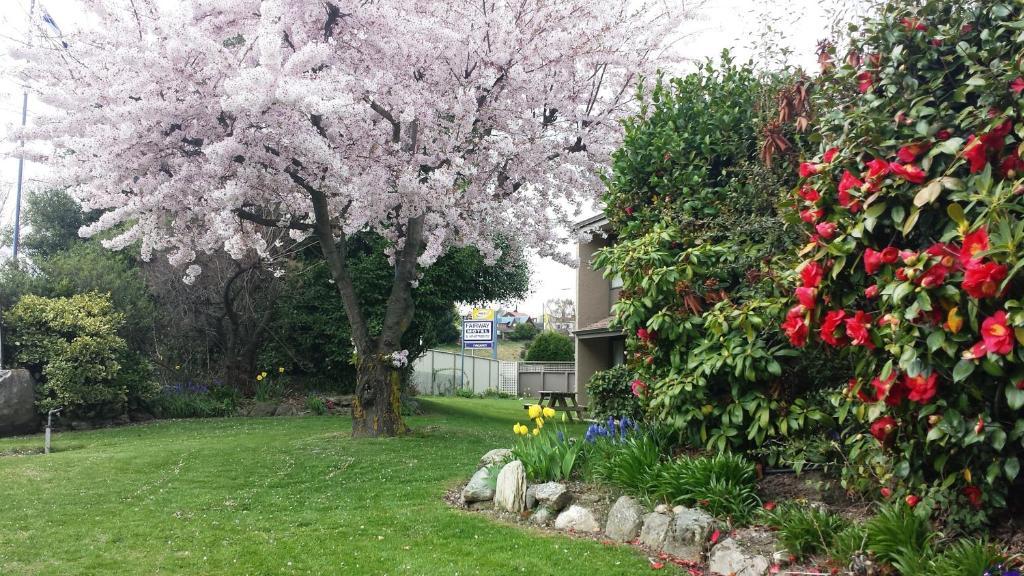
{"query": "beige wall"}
{"type": "Point", "coordinates": [593, 291]}
{"type": "Point", "coordinates": [592, 355]}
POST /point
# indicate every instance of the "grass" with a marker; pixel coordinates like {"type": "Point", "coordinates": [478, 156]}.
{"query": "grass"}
{"type": "Point", "coordinates": [273, 496]}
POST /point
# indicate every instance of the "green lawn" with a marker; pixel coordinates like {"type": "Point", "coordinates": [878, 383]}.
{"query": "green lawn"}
{"type": "Point", "coordinates": [274, 496]}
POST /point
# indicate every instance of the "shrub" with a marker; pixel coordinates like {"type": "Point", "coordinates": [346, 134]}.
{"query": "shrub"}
{"type": "Point", "coordinates": [523, 331]}
{"type": "Point", "coordinates": [551, 347]}
{"type": "Point", "coordinates": [73, 344]}
{"type": "Point", "coordinates": [316, 405]}
{"type": "Point", "coordinates": [192, 400]}
{"type": "Point", "coordinates": [913, 266]}
{"type": "Point", "coordinates": [700, 239]}
{"type": "Point", "coordinates": [629, 461]}
{"type": "Point", "coordinates": [805, 531]}
{"type": "Point", "coordinates": [611, 395]}
{"type": "Point", "coordinates": [847, 543]}
{"type": "Point", "coordinates": [899, 536]}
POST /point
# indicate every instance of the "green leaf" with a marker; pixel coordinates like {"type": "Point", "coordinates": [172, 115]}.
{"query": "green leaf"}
{"type": "Point", "coordinates": [1012, 467]}
{"type": "Point", "coordinates": [935, 340]}
{"type": "Point", "coordinates": [962, 370]}
{"type": "Point", "coordinates": [926, 195]}
{"type": "Point", "coordinates": [956, 213]}
{"type": "Point", "coordinates": [1014, 397]}
{"type": "Point", "coordinates": [911, 220]}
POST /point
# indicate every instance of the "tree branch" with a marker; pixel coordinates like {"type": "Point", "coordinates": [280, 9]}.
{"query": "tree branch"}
{"type": "Point", "coordinates": [293, 223]}
{"type": "Point", "coordinates": [396, 126]}
{"type": "Point", "coordinates": [400, 306]}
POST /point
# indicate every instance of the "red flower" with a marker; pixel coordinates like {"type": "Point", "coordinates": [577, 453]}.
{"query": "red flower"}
{"type": "Point", "coordinates": [974, 242]}
{"type": "Point", "coordinates": [886, 491]}
{"type": "Point", "coordinates": [830, 155]}
{"type": "Point", "coordinates": [809, 194]}
{"type": "Point", "coordinates": [996, 335]}
{"type": "Point", "coordinates": [795, 327]}
{"type": "Point", "coordinates": [857, 329]}
{"type": "Point", "coordinates": [811, 274]}
{"type": "Point", "coordinates": [826, 230]}
{"type": "Point", "coordinates": [889, 389]}
{"type": "Point", "coordinates": [644, 334]}
{"type": "Point", "coordinates": [946, 253]}
{"type": "Point", "coordinates": [912, 500]}
{"type": "Point", "coordinates": [921, 389]}
{"type": "Point", "coordinates": [811, 216]}
{"type": "Point", "coordinates": [846, 183]}
{"type": "Point", "coordinates": [872, 261]}
{"type": "Point", "coordinates": [871, 291]}
{"type": "Point", "coordinates": [933, 277]}
{"type": "Point", "coordinates": [877, 169]}
{"type": "Point", "coordinates": [861, 394]}
{"type": "Point", "coordinates": [975, 352]}
{"type": "Point", "coordinates": [864, 81]}
{"type": "Point", "coordinates": [981, 280]}
{"type": "Point", "coordinates": [1017, 86]}
{"type": "Point", "coordinates": [629, 210]}
{"type": "Point", "coordinates": [975, 153]}
{"type": "Point", "coordinates": [980, 426]}
{"type": "Point", "coordinates": [973, 494]}
{"type": "Point", "coordinates": [1011, 166]}
{"type": "Point", "coordinates": [769, 505]}
{"type": "Point", "coordinates": [909, 172]}
{"type": "Point", "coordinates": [910, 152]}
{"type": "Point", "coordinates": [806, 296]}
{"type": "Point", "coordinates": [890, 255]}
{"type": "Point", "coordinates": [943, 135]}
{"type": "Point", "coordinates": [913, 24]}
{"type": "Point", "coordinates": [638, 387]}
{"type": "Point", "coordinates": [808, 169]}
{"type": "Point", "coordinates": [901, 274]}
{"type": "Point", "coordinates": [883, 429]}
{"type": "Point", "coordinates": [833, 320]}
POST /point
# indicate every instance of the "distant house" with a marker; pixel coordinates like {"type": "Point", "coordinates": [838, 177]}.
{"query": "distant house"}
{"type": "Point", "coordinates": [598, 345]}
{"type": "Point", "coordinates": [508, 319]}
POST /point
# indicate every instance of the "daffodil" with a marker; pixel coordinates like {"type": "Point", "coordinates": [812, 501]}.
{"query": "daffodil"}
{"type": "Point", "coordinates": [280, 370]}
{"type": "Point", "coordinates": [515, 429]}
{"type": "Point", "coordinates": [536, 431]}
{"type": "Point", "coordinates": [534, 411]}
{"type": "Point", "coordinates": [549, 412]}
{"type": "Point", "coordinates": [259, 377]}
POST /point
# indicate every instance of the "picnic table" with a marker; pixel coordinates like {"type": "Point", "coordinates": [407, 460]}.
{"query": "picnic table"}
{"type": "Point", "coordinates": [559, 400]}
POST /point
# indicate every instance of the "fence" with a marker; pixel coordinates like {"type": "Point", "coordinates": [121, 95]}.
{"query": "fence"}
{"type": "Point", "coordinates": [443, 373]}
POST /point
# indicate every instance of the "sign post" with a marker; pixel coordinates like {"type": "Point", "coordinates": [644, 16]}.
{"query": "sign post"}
{"type": "Point", "coordinates": [479, 333]}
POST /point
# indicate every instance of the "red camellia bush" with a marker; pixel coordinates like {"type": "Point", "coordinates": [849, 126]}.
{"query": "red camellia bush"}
{"type": "Point", "coordinates": [915, 247]}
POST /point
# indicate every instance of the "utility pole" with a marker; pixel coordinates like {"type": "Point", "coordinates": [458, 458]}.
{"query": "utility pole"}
{"type": "Point", "coordinates": [21, 160]}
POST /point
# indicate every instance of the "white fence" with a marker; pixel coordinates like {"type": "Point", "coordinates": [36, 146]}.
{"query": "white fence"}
{"type": "Point", "coordinates": [442, 373]}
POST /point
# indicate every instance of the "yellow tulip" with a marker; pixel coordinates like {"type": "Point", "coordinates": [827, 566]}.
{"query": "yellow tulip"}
{"type": "Point", "coordinates": [259, 377]}
{"type": "Point", "coordinates": [563, 417]}
{"type": "Point", "coordinates": [534, 411]}
{"type": "Point", "coordinates": [280, 370]}
{"type": "Point", "coordinates": [549, 412]}
{"type": "Point", "coordinates": [536, 431]}
{"type": "Point", "coordinates": [540, 422]}
{"type": "Point", "coordinates": [515, 429]}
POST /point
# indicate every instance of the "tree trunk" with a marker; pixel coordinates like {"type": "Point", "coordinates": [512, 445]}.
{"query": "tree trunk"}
{"type": "Point", "coordinates": [377, 406]}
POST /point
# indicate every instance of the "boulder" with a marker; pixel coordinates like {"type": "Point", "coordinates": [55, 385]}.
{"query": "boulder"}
{"type": "Point", "coordinates": [510, 494]}
{"type": "Point", "coordinates": [285, 409]}
{"type": "Point", "coordinates": [624, 520]}
{"type": "Point", "coordinates": [656, 529]}
{"type": "Point", "coordinates": [260, 409]}
{"type": "Point", "coordinates": [531, 497]}
{"type": "Point", "coordinates": [17, 403]}
{"type": "Point", "coordinates": [496, 456]}
{"type": "Point", "coordinates": [728, 557]}
{"type": "Point", "coordinates": [479, 488]}
{"type": "Point", "coordinates": [542, 517]}
{"type": "Point", "coordinates": [552, 495]}
{"type": "Point", "coordinates": [578, 519]}
{"type": "Point", "coordinates": [690, 530]}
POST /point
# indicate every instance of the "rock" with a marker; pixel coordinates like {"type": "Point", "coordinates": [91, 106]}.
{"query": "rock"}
{"type": "Point", "coordinates": [259, 409]}
{"type": "Point", "coordinates": [285, 409]}
{"type": "Point", "coordinates": [17, 403]}
{"type": "Point", "coordinates": [542, 517]}
{"type": "Point", "coordinates": [690, 530]}
{"type": "Point", "coordinates": [531, 497]}
{"type": "Point", "coordinates": [678, 509]}
{"type": "Point", "coordinates": [728, 557]}
{"type": "Point", "coordinates": [140, 416]}
{"type": "Point", "coordinates": [496, 456]}
{"type": "Point", "coordinates": [624, 520]}
{"type": "Point", "coordinates": [485, 505]}
{"type": "Point", "coordinates": [552, 495]}
{"type": "Point", "coordinates": [661, 508]}
{"type": "Point", "coordinates": [656, 529]}
{"type": "Point", "coordinates": [510, 495]}
{"type": "Point", "coordinates": [479, 488]}
{"type": "Point", "coordinates": [577, 518]}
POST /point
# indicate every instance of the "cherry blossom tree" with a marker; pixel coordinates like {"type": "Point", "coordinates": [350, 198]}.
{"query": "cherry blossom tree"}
{"type": "Point", "coordinates": [193, 125]}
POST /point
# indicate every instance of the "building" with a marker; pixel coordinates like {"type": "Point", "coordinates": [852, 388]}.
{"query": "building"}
{"type": "Point", "coordinates": [598, 346]}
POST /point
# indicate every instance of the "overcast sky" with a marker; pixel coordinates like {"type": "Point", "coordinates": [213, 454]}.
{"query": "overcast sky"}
{"type": "Point", "coordinates": [722, 24]}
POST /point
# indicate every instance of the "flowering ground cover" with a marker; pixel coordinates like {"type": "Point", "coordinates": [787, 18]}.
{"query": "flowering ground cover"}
{"type": "Point", "coordinates": [273, 496]}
